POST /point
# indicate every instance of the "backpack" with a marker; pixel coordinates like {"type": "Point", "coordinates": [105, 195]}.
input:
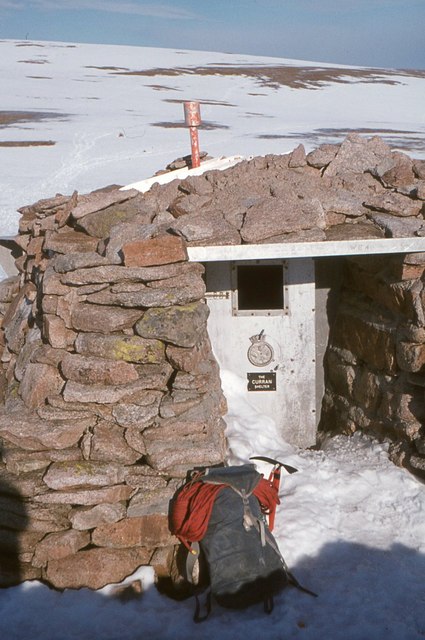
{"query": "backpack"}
{"type": "Point", "coordinates": [220, 516]}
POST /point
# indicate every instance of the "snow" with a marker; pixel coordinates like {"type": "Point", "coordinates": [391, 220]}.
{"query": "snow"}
{"type": "Point", "coordinates": [218, 164]}
{"type": "Point", "coordinates": [351, 525]}
{"type": "Point", "coordinates": [109, 128]}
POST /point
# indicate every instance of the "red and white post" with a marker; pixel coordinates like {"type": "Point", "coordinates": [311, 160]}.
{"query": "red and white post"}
{"type": "Point", "coordinates": [192, 117]}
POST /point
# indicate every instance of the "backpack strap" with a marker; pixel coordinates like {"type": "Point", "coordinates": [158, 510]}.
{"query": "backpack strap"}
{"type": "Point", "coordinates": [191, 559]}
{"type": "Point", "coordinates": [197, 617]}
{"type": "Point", "coordinates": [268, 604]}
{"type": "Point", "coordinates": [249, 520]}
{"type": "Point", "coordinates": [291, 578]}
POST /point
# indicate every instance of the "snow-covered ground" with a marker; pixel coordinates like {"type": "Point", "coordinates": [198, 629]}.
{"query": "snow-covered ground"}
{"type": "Point", "coordinates": [351, 525]}
{"type": "Point", "coordinates": [111, 127]}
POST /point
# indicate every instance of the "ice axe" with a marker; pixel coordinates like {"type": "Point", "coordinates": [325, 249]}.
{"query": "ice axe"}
{"type": "Point", "coordinates": [275, 463]}
{"type": "Point", "coordinates": [274, 479]}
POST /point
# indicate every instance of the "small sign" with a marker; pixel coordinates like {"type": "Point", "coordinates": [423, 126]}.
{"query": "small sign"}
{"type": "Point", "coordinates": [262, 381]}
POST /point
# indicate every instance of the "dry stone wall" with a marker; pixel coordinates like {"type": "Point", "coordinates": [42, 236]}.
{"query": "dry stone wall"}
{"type": "Point", "coordinates": [110, 390]}
{"type": "Point", "coordinates": [375, 361]}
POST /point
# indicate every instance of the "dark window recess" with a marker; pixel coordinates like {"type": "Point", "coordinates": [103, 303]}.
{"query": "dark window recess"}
{"type": "Point", "coordinates": [260, 287]}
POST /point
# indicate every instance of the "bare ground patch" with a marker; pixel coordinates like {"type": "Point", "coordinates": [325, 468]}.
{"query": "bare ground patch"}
{"type": "Point", "coordinates": [34, 61]}
{"type": "Point", "coordinates": [161, 87]}
{"type": "Point", "coordinates": [254, 114]}
{"type": "Point", "coordinates": [8, 118]}
{"type": "Point", "coordinates": [30, 44]}
{"type": "Point", "coordinates": [106, 68]}
{"type": "Point", "coordinates": [27, 143]}
{"type": "Point", "coordinates": [42, 46]}
{"type": "Point", "coordinates": [295, 77]}
{"type": "Point", "coordinates": [407, 140]}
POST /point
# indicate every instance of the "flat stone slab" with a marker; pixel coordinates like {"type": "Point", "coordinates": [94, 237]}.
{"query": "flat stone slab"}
{"type": "Point", "coordinates": [103, 319]}
{"type": "Point", "coordinates": [95, 568]}
{"type": "Point", "coordinates": [121, 347]}
{"type": "Point", "coordinates": [181, 325]}
{"type": "Point", "coordinates": [102, 200]}
{"type": "Point", "coordinates": [30, 432]}
{"type": "Point", "coordinates": [154, 251]}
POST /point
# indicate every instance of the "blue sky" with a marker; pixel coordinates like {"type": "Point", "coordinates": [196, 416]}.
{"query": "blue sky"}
{"type": "Point", "coordinates": [385, 33]}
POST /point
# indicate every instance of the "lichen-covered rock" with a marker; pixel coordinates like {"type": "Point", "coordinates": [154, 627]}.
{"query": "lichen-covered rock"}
{"type": "Point", "coordinates": [64, 476]}
{"type": "Point", "coordinates": [99, 200]}
{"type": "Point", "coordinates": [103, 274]}
{"type": "Point", "coordinates": [182, 326]}
{"type": "Point", "coordinates": [93, 370]}
{"type": "Point", "coordinates": [358, 231]}
{"type": "Point", "coordinates": [150, 376]}
{"type": "Point", "coordinates": [89, 497]}
{"type": "Point", "coordinates": [63, 263]}
{"type": "Point", "coordinates": [151, 501]}
{"type": "Point", "coordinates": [103, 319]}
{"type": "Point", "coordinates": [121, 347]}
{"type": "Point", "coordinates": [23, 463]}
{"type": "Point", "coordinates": [99, 223]}
{"type": "Point", "coordinates": [146, 297]}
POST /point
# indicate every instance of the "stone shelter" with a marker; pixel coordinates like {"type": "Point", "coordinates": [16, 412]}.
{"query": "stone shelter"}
{"type": "Point", "coordinates": [111, 340]}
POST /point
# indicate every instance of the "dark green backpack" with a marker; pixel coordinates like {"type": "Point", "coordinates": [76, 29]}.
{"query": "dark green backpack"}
{"type": "Point", "coordinates": [244, 562]}
{"type": "Point", "coordinates": [220, 516]}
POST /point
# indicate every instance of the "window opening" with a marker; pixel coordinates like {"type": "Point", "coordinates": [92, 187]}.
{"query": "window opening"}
{"type": "Point", "coordinates": [258, 288]}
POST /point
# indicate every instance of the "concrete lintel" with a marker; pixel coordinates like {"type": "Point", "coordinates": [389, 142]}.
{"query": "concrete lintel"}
{"type": "Point", "coordinates": [306, 249]}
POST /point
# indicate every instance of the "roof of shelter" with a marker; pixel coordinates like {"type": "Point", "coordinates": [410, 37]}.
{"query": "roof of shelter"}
{"type": "Point", "coordinates": [356, 197]}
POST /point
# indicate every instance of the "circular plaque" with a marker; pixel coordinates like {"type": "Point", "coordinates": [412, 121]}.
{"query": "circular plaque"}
{"type": "Point", "coordinates": [260, 353]}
